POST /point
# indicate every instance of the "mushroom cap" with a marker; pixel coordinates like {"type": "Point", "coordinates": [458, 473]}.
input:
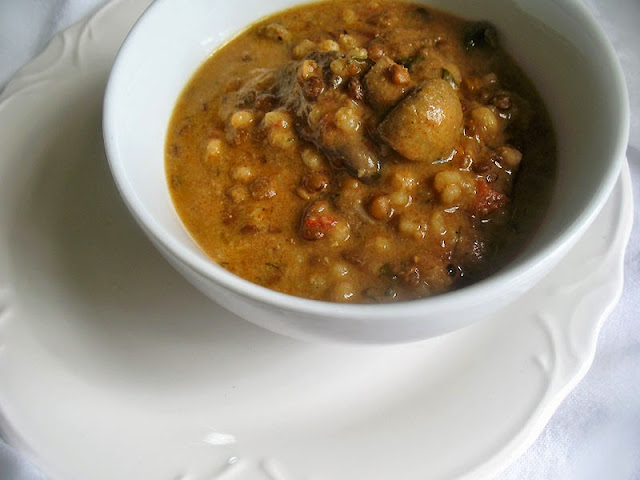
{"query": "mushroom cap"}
{"type": "Point", "coordinates": [427, 124]}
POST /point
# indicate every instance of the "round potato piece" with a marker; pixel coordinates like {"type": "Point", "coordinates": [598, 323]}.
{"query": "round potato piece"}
{"type": "Point", "coordinates": [426, 125]}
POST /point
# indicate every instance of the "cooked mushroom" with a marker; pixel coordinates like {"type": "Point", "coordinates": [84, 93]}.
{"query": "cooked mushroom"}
{"type": "Point", "coordinates": [426, 125]}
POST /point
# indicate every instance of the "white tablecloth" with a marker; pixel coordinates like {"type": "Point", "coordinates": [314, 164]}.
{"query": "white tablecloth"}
{"type": "Point", "coordinates": [595, 434]}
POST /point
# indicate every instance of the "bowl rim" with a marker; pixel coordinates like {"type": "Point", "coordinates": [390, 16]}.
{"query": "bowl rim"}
{"type": "Point", "coordinates": [475, 294]}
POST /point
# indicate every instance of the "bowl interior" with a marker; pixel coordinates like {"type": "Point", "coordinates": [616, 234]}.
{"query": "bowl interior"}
{"type": "Point", "coordinates": [556, 43]}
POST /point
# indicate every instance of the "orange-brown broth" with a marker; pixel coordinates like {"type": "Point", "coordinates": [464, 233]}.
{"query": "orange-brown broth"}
{"type": "Point", "coordinates": [251, 188]}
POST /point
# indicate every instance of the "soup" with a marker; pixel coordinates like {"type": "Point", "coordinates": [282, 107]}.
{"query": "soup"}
{"type": "Point", "coordinates": [361, 152]}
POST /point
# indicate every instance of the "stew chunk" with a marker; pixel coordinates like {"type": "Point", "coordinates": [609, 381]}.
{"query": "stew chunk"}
{"type": "Point", "coordinates": [425, 126]}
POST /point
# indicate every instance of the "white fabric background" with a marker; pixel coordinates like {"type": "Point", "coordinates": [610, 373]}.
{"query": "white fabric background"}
{"type": "Point", "coordinates": [595, 434]}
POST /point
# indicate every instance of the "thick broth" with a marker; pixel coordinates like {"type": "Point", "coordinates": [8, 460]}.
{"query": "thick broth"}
{"type": "Point", "coordinates": [361, 152]}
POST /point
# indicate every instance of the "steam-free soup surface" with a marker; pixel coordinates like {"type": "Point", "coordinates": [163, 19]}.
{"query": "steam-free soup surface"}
{"type": "Point", "coordinates": [361, 152]}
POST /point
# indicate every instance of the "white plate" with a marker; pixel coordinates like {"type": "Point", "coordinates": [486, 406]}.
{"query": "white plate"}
{"type": "Point", "coordinates": [113, 367]}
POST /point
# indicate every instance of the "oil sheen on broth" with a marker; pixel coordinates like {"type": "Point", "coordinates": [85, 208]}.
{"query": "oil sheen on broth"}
{"type": "Point", "coordinates": [361, 152]}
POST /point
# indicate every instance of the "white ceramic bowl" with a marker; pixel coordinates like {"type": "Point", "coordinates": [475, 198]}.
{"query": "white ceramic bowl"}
{"type": "Point", "coordinates": [556, 41]}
